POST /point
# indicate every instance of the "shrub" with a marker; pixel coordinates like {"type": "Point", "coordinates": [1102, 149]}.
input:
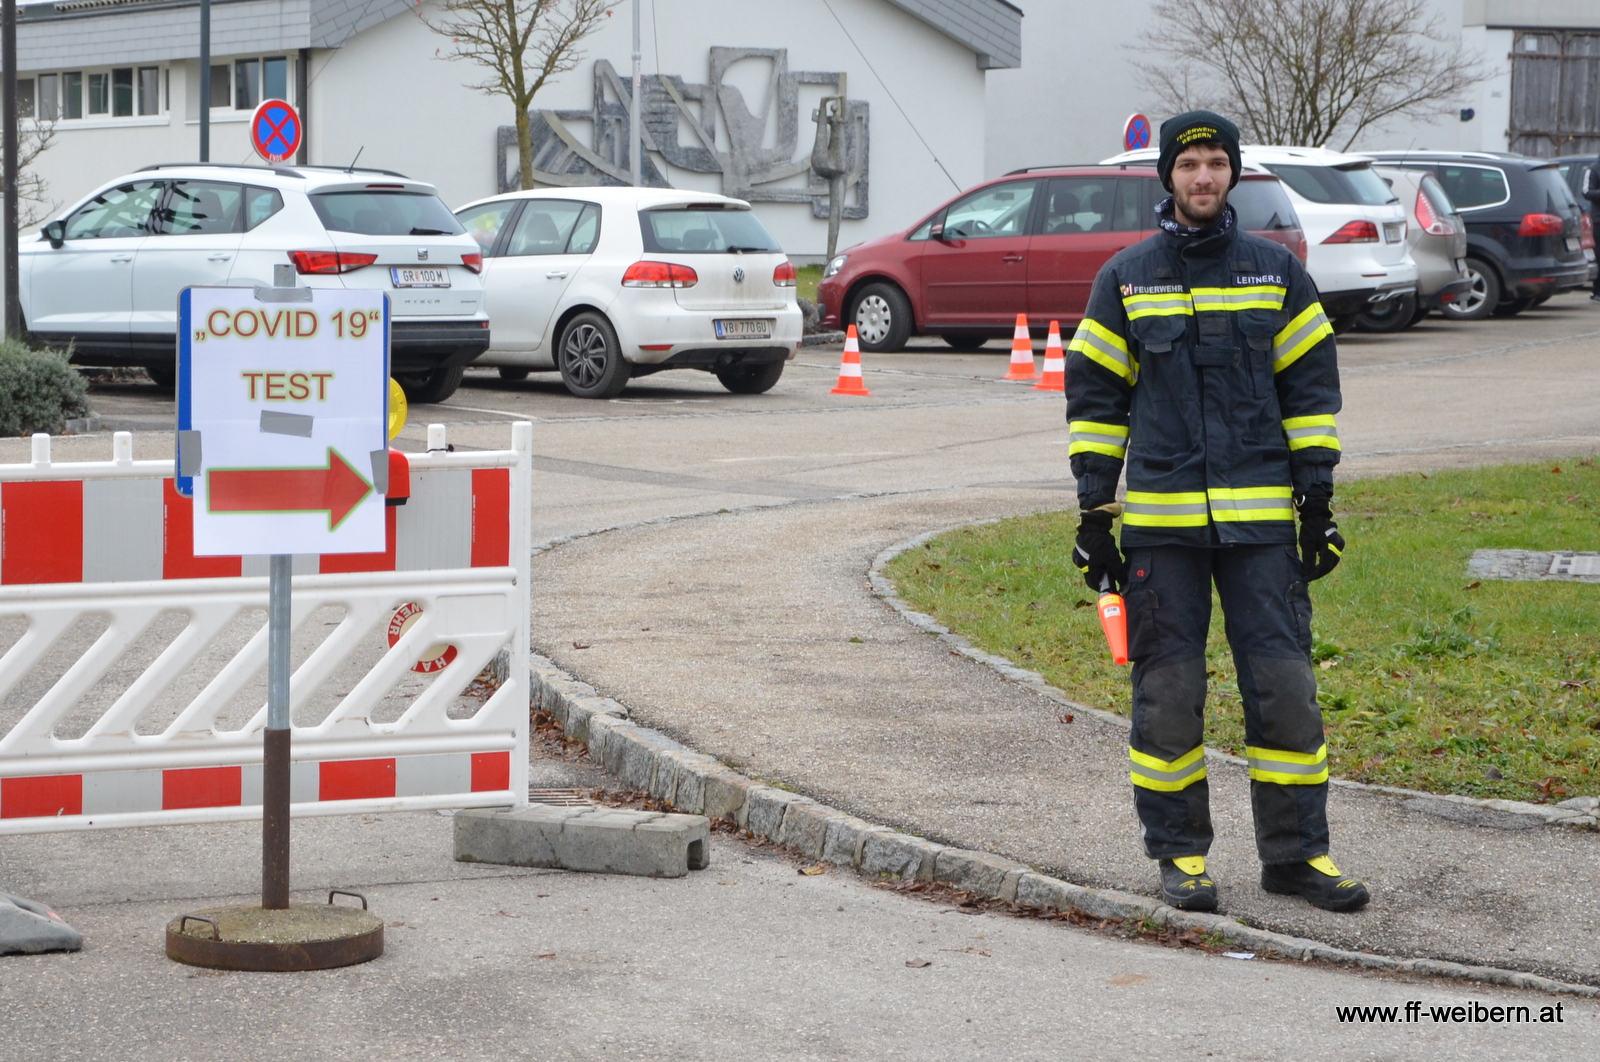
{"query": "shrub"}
{"type": "Point", "coordinates": [39, 391]}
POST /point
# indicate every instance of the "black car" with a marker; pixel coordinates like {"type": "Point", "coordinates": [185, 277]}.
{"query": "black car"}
{"type": "Point", "coordinates": [1526, 235]}
{"type": "Point", "coordinates": [1573, 169]}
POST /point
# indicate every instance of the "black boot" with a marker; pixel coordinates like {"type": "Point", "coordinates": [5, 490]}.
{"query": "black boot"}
{"type": "Point", "coordinates": [1319, 881]}
{"type": "Point", "coordinates": [1186, 885]}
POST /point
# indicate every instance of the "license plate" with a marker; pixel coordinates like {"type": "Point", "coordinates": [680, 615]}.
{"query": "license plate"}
{"type": "Point", "coordinates": [406, 277]}
{"type": "Point", "coordinates": [750, 329]}
{"type": "Point", "coordinates": [1393, 231]}
{"type": "Point", "coordinates": [1573, 243]}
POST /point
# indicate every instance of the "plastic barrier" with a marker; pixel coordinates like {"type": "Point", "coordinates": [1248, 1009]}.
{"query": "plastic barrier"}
{"type": "Point", "coordinates": [107, 543]}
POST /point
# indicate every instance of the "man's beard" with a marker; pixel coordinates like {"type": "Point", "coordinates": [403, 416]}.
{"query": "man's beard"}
{"type": "Point", "coordinates": [1201, 218]}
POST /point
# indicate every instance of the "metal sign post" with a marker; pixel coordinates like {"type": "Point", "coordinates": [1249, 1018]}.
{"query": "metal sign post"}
{"type": "Point", "coordinates": [283, 408]}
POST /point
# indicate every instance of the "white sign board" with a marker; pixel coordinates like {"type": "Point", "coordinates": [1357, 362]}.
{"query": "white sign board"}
{"type": "Point", "coordinates": [283, 397]}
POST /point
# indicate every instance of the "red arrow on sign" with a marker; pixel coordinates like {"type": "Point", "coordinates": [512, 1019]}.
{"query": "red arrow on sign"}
{"type": "Point", "coordinates": [337, 488]}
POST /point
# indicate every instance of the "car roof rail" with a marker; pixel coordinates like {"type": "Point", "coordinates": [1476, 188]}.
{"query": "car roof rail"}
{"type": "Point", "coordinates": [1056, 166]}
{"type": "Point", "coordinates": [281, 171]}
{"type": "Point", "coordinates": [356, 169]}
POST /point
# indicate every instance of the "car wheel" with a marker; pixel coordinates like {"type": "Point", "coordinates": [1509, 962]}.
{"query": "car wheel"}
{"type": "Point", "coordinates": [163, 376]}
{"type": "Point", "coordinates": [1418, 315]}
{"type": "Point", "coordinates": [1479, 300]}
{"type": "Point", "coordinates": [751, 379]}
{"type": "Point", "coordinates": [882, 316]}
{"type": "Point", "coordinates": [430, 388]}
{"type": "Point", "coordinates": [1390, 315]}
{"type": "Point", "coordinates": [590, 358]}
{"type": "Point", "coordinates": [1343, 323]}
{"type": "Point", "coordinates": [1512, 307]}
{"type": "Point", "coordinates": [964, 342]}
{"type": "Point", "coordinates": [511, 372]}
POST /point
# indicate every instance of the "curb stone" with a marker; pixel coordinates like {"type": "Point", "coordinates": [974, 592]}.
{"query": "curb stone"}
{"type": "Point", "coordinates": [702, 785]}
{"type": "Point", "coordinates": [1579, 813]}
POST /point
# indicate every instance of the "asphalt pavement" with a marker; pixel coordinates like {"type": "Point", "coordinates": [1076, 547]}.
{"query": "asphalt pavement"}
{"type": "Point", "coordinates": [746, 525]}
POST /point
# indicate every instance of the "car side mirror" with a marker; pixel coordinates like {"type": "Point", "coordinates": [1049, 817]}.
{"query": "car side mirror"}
{"type": "Point", "coordinates": [937, 232]}
{"type": "Point", "coordinates": [56, 233]}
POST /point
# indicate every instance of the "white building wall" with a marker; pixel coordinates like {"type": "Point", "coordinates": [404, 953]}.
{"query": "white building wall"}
{"type": "Point", "coordinates": [392, 93]}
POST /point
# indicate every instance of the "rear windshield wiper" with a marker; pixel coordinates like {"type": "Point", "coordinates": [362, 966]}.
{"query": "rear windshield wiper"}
{"type": "Point", "coordinates": [429, 232]}
{"type": "Point", "coordinates": [747, 250]}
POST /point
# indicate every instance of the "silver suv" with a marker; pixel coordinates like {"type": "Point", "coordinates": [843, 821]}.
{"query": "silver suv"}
{"type": "Point", "coordinates": [104, 276]}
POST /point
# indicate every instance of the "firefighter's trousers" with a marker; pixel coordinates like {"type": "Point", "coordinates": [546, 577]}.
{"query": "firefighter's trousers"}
{"type": "Point", "coordinates": [1267, 614]}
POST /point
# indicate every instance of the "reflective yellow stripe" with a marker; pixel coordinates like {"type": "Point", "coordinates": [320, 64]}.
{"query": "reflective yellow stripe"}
{"type": "Point", "coordinates": [1104, 347]}
{"type": "Point", "coordinates": [1309, 328]}
{"type": "Point", "coordinates": [1150, 509]}
{"type": "Point", "coordinates": [1167, 776]}
{"type": "Point", "coordinates": [1318, 430]}
{"type": "Point", "coordinates": [1091, 437]}
{"type": "Point", "coordinates": [1166, 304]}
{"type": "Point", "coordinates": [1288, 768]}
{"type": "Point", "coordinates": [1235, 504]}
{"type": "Point", "coordinates": [1251, 297]}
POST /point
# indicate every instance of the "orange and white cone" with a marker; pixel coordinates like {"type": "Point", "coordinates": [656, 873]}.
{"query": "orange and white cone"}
{"type": "Point", "coordinates": [1021, 353]}
{"type": "Point", "coordinates": [850, 367]}
{"type": "Point", "coordinates": [1055, 362]}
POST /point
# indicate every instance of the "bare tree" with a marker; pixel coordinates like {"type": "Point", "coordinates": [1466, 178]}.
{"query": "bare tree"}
{"type": "Point", "coordinates": [1306, 72]}
{"type": "Point", "coordinates": [523, 44]}
{"type": "Point", "coordinates": [33, 138]}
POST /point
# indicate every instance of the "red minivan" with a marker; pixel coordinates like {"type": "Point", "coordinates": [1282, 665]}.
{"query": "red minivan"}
{"type": "Point", "coordinates": [1029, 242]}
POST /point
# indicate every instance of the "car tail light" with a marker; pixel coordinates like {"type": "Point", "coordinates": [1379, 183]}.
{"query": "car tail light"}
{"type": "Point", "coordinates": [473, 262]}
{"type": "Point", "coordinates": [1355, 232]}
{"type": "Point", "coordinates": [783, 276]}
{"type": "Point", "coordinates": [1430, 220]}
{"type": "Point", "coordinates": [659, 275]}
{"type": "Point", "coordinates": [1586, 227]}
{"type": "Point", "coordinates": [1541, 225]}
{"type": "Point", "coordinates": [323, 262]}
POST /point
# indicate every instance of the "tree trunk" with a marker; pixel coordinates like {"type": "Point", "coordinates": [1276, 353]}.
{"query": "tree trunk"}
{"type": "Point", "coordinates": [524, 149]}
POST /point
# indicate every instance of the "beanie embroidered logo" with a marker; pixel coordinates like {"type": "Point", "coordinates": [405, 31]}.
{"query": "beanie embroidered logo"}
{"type": "Point", "coordinates": [1199, 132]}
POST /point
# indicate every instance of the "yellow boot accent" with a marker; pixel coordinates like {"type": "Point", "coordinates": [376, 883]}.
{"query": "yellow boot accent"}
{"type": "Point", "coordinates": [1325, 865]}
{"type": "Point", "coordinates": [1194, 866]}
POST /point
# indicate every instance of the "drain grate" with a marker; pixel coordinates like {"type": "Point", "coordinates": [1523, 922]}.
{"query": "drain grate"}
{"type": "Point", "coordinates": [560, 798]}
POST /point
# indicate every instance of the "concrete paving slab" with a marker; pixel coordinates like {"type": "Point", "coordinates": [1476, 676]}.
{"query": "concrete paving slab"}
{"type": "Point", "coordinates": [599, 840]}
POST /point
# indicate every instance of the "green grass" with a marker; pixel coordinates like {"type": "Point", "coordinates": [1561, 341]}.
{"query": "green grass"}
{"type": "Point", "coordinates": [1428, 678]}
{"type": "Point", "coordinates": [807, 279]}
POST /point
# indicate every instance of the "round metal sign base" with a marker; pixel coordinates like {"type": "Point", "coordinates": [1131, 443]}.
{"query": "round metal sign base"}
{"type": "Point", "coordinates": [306, 936]}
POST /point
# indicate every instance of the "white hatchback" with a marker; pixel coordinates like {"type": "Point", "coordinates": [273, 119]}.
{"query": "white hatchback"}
{"type": "Point", "coordinates": [1355, 228]}
{"type": "Point", "coordinates": [104, 276]}
{"type": "Point", "coordinates": [605, 284]}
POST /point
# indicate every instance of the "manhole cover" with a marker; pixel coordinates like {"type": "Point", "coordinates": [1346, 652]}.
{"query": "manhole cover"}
{"type": "Point", "coordinates": [560, 798]}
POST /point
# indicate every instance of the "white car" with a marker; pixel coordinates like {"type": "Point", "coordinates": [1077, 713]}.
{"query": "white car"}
{"type": "Point", "coordinates": [1355, 227]}
{"type": "Point", "coordinates": [105, 275]}
{"type": "Point", "coordinates": [609, 283]}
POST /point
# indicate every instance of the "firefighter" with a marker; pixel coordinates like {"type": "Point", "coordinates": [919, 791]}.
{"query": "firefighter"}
{"type": "Point", "coordinates": [1591, 192]}
{"type": "Point", "coordinates": [1206, 366]}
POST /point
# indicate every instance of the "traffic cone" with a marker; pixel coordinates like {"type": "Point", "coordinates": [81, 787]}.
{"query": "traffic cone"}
{"type": "Point", "coordinates": [850, 367]}
{"type": "Point", "coordinates": [1055, 362]}
{"type": "Point", "coordinates": [1021, 353]}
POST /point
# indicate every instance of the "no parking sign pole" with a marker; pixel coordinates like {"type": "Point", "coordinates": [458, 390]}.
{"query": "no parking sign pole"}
{"type": "Point", "coordinates": [282, 442]}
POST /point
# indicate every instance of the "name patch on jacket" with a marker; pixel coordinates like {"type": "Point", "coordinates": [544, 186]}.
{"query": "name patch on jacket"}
{"type": "Point", "coordinates": [1261, 278]}
{"type": "Point", "coordinates": [1153, 289]}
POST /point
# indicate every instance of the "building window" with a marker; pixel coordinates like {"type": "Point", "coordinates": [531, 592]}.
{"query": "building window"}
{"type": "Point", "coordinates": [99, 93]}
{"type": "Point", "coordinates": [246, 84]}
{"type": "Point", "coordinates": [149, 90]}
{"type": "Point", "coordinates": [275, 78]}
{"type": "Point", "coordinates": [49, 97]}
{"type": "Point", "coordinates": [220, 96]}
{"type": "Point", "coordinates": [24, 97]}
{"type": "Point", "coordinates": [72, 95]}
{"type": "Point", "coordinates": [122, 92]}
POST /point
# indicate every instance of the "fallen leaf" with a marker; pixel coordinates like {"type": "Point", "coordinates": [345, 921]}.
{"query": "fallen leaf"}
{"type": "Point", "coordinates": [396, 925]}
{"type": "Point", "coordinates": [547, 955]}
{"type": "Point", "coordinates": [1083, 604]}
{"type": "Point", "coordinates": [1555, 470]}
{"type": "Point", "coordinates": [1067, 718]}
{"type": "Point", "coordinates": [812, 872]}
{"type": "Point", "coordinates": [969, 951]}
{"type": "Point", "coordinates": [1493, 774]}
{"type": "Point", "coordinates": [1573, 497]}
{"type": "Point", "coordinates": [1574, 684]}
{"type": "Point", "coordinates": [1473, 585]}
{"type": "Point", "coordinates": [544, 896]}
{"type": "Point", "coordinates": [1129, 979]}
{"type": "Point", "coordinates": [917, 964]}
{"type": "Point", "coordinates": [580, 645]}
{"type": "Point", "coordinates": [1440, 751]}
{"type": "Point", "coordinates": [1036, 605]}
{"type": "Point", "coordinates": [1326, 664]}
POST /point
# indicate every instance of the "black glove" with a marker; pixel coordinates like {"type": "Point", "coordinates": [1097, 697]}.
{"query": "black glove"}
{"type": "Point", "coordinates": [1096, 554]}
{"type": "Point", "coordinates": [1321, 545]}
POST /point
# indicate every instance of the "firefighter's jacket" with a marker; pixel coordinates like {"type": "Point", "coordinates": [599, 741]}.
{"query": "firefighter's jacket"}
{"type": "Point", "coordinates": [1207, 365]}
